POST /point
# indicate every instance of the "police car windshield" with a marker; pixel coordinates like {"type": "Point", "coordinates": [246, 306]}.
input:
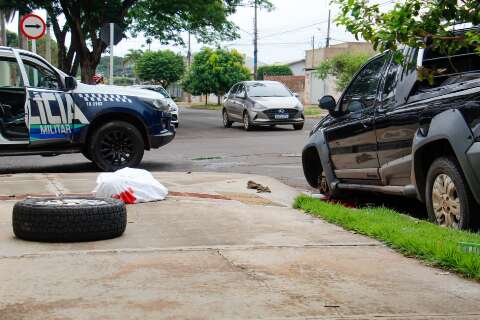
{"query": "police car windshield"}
{"type": "Point", "coordinates": [268, 89]}
{"type": "Point", "coordinates": [63, 74]}
{"type": "Point", "coordinates": [160, 90]}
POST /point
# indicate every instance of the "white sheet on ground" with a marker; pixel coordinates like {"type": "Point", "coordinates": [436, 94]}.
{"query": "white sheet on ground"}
{"type": "Point", "coordinates": [130, 186]}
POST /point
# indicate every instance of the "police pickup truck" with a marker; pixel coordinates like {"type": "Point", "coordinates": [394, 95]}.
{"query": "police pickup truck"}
{"type": "Point", "coordinates": [393, 131]}
{"type": "Point", "coordinates": [45, 112]}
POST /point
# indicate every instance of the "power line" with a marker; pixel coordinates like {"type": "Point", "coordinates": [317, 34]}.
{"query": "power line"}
{"type": "Point", "coordinates": [292, 30]}
{"type": "Point", "coordinates": [245, 31]}
{"type": "Point", "coordinates": [266, 43]}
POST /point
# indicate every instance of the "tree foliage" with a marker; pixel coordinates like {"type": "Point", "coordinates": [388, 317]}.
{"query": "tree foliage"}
{"type": "Point", "coordinates": [132, 56]}
{"type": "Point", "coordinates": [164, 67]}
{"type": "Point", "coordinates": [164, 20]}
{"type": "Point", "coordinates": [343, 67]}
{"type": "Point", "coordinates": [411, 23]}
{"type": "Point", "coordinates": [274, 70]}
{"type": "Point", "coordinates": [215, 71]}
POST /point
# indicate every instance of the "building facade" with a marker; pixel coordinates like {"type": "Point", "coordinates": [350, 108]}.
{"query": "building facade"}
{"type": "Point", "coordinates": [316, 88]}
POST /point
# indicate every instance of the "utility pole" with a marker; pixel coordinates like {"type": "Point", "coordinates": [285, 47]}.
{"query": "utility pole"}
{"type": "Point", "coordinates": [48, 44]}
{"type": "Point", "coordinates": [189, 62]}
{"type": "Point", "coordinates": [313, 51]}
{"type": "Point", "coordinates": [3, 27]}
{"type": "Point", "coordinates": [327, 43]}
{"type": "Point", "coordinates": [112, 25]}
{"type": "Point", "coordinates": [149, 42]}
{"type": "Point", "coordinates": [255, 44]}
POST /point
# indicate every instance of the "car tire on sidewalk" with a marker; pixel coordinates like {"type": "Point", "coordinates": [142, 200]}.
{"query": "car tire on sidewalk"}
{"type": "Point", "coordinates": [69, 219]}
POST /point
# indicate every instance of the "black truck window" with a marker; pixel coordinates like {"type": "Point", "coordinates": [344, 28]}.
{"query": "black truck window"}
{"type": "Point", "coordinates": [362, 92]}
{"type": "Point", "coordinates": [390, 85]}
{"type": "Point", "coordinates": [440, 69]}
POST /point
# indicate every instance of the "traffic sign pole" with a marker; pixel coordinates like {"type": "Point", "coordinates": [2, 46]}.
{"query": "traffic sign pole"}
{"type": "Point", "coordinates": [33, 27]}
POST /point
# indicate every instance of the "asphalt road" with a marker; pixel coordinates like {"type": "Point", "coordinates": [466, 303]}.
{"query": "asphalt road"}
{"type": "Point", "coordinates": [201, 144]}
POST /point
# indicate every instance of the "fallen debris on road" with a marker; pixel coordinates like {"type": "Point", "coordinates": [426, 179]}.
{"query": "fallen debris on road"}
{"type": "Point", "coordinates": [257, 186]}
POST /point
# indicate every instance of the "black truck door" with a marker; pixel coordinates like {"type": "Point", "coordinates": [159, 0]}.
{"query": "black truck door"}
{"type": "Point", "coordinates": [396, 123]}
{"type": "Point", "coordinates": [351, 138]}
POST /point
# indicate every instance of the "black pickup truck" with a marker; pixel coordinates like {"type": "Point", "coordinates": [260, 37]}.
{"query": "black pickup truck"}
{"type": "Point", "coordinates": [391, 132]}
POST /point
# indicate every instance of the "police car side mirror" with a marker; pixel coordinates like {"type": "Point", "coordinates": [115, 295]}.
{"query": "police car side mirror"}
{"type": "Point", "coordinates": [70, 83]}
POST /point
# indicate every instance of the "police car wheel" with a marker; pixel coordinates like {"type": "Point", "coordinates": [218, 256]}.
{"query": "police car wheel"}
{"type": "Point", "coordinates": [69, 219]}
{"type": "Point", "coordinates": [117, 145]}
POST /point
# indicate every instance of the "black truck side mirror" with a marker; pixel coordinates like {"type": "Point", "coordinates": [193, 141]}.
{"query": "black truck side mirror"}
{"type": "Point", "coordinates": [328, 103]}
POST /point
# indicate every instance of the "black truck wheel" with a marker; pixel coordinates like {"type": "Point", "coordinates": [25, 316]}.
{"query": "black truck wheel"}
{"type": "Point", "coordinates": [69, 219]}
{"type": "Point", "coordinates": [450, 202]}
{"type": "Point", "coordinates": [116, 145]}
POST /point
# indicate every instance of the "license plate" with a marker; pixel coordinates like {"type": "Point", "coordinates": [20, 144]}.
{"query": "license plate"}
{"type": "Point", "coordinates": [281, 116]}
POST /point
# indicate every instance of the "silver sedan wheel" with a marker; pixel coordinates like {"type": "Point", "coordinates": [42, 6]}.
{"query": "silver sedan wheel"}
{"type": "Point", "coordinates": [225, 118]}
{"type": "Point", "coordinates": [446, 203]}
{"type": "Point", "coordinates": [246, 121]}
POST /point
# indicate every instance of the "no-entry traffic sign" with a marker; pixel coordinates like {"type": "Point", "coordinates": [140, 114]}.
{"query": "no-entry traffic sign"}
{"type": "Point", "coordinates": [32, 26]}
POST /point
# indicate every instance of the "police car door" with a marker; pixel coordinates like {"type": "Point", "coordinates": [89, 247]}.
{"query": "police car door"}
{"type": "Point", "coordinates": [49, 109]}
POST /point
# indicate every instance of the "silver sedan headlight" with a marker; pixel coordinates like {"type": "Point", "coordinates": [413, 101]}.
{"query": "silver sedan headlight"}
{"type": "Point", "coordinates": [173, 108]}
{"type": "Point", "coordinates": [258, 107]}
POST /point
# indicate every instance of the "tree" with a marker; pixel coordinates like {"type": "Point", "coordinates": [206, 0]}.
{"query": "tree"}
{"type": "Point", "coordinates": [164, 67]}
{"type": "Point", "coordinates": [6, 15]}
{"type": "Point", "coordinates": [164, 20]}
{"type": "Point", "coordinates": [132, 56]}
{"type": "Point", "coordinates": [215, 71]}
{"type": "Point", "coordinates": [199, 79]}
{"type": "Point", "coordinates": [274, 70]}
{"type": "Point", "coordinates": [343, 67]}
{"type": "Point", "coordinates": [415, 23]}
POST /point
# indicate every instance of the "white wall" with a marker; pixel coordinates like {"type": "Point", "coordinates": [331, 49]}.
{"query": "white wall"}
{"type": "Point", "coordinates": [298, 68]}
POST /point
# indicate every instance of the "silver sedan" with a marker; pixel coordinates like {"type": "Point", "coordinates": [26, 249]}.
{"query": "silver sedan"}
{"type": "Point", "coordinates": [262, 103]}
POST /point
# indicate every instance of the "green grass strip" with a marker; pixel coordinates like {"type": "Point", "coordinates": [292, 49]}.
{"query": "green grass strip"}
{"type": "Point", "coordinates": [314, 111]}
{"type": "Point", "coordinates": [206, 158]}
{"type": "Point", "coordinates": [207, 107]}
{"type": "Point", "coordinates": [437, 246]}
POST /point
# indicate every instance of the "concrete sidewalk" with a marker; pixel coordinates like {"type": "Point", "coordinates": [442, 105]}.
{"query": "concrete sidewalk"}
{"type": "Point", "coordinates": [215, 250]}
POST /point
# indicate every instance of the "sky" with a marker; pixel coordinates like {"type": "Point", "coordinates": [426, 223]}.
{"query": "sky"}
{"type": "Point", "coordinates": [284, 33]}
